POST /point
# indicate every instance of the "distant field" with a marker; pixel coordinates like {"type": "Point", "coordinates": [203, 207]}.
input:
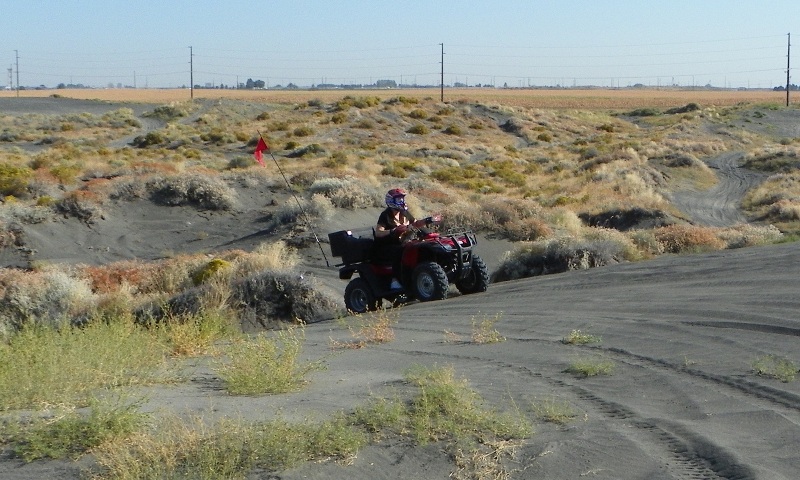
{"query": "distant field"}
{"type": "Point", "coordinates": [579, 99]}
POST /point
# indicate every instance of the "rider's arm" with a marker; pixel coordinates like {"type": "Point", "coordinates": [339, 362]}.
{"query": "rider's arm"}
{"type": "Point", "coordinates": [381, 231]}
{"type": "Point", "coordinates": [424, 222]}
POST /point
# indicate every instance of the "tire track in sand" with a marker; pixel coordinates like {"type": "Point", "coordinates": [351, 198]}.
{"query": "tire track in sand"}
{"type": "Point", "coordinates": [720, 206]}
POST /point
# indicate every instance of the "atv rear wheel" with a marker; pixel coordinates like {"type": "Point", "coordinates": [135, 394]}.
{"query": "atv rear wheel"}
{"type": "Point", "coordinates": [478, 279]}
{"type": "Point", "coordinates": [358, 296]}
{"type": "Point", "coordinates": [430, 282]}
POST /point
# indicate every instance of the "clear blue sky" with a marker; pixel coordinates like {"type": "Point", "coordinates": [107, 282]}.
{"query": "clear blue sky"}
{"type": "Point", "coordinates": [507, 42]}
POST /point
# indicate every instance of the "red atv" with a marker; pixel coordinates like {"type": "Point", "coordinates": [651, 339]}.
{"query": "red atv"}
{"type": "Point", "coordinates": [429, 263]}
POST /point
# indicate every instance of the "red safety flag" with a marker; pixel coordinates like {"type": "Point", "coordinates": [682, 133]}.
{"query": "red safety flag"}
{"type": "Point", "coordinates": [262, 145]}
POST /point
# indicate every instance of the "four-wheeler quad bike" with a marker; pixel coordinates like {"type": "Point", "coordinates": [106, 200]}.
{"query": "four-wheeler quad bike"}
{"type": "Point", "coordinates": [430, 262]}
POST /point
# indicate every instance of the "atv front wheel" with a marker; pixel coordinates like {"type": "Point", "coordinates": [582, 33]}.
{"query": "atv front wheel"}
{"type": "Point", "coordinates": [358, 296]}
{"type": "Point", "coordinates": [430, 282]}
{"type": "Point", "coordinates": [478, 279]}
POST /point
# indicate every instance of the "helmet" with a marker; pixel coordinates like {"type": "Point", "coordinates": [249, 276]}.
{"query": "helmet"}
{"type": "Point", "coordinates": [396, 199]}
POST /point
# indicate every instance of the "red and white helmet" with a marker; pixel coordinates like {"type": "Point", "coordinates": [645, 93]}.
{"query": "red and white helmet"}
{"type": "Point", "coordinates": [396, 199]}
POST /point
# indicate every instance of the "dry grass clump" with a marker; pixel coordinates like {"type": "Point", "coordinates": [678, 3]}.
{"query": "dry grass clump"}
{"type": "Point", "coordinates": [518, 220]}
{"type": "Point", "coordinates": [784, 211]}
{"type": "Point", "coordinates": [268, 297]}
{"type": "Point", "coordinates": [300, 210]}
{"type": "Point", "coordinates": [86, 128]}
{"type": "Point", "coordinates": [81, 204]}
{"type": "Point", "coordinates": [777, 199]}
{"type": "Point", "coordinates": [375, 328]}
{"type": "Point", "coordinates": [688, 239]}
{"type": "Point", "coordinates": [10, 234]}
{"type": "Point", "coordinates": [554, 410]}
{"type": "Point", "coordinates": [774, 158]}
{"type": "Point", "coordinates": [230, 449]}
{"type": "Point", "coordinates": [263, 299]}
{"type": "Point", "coordinates": [747, 235]}
{"type": "Point", "coordinates": [484, 331]}
{"type": "Point", "coordinates": [50, 298]}
{"type": "Point", "coordinates": [269, 256]}
{"type": "Point", "coordinates": [561, 254]}
{"type": "Point", "coordinates": [348, 192]}
{"type": "Point", "coordinates": [186, 284]}
{"type": "Point", "coordinates": [577, 337]}
{"type": "Point", "coordinates": [203, 191]}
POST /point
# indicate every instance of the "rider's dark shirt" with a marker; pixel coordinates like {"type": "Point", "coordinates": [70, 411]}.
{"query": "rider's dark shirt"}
{"type": "Point", "coordinates": [387, 221]}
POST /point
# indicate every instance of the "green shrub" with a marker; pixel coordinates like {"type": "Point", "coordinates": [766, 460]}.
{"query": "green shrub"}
{"type": "Point", "coordinates": [170, 112]}
{"type": "Point", "coordinates": [590, 367]}
{"type": "Point", "coordinates": [418, 129]}
{"type": "Point", "coordinates": [364, 123]}
{"type": "Point", "coordinates": [554, 411]}
{"type": "Point", "coordinates": [240, 162]}
{"type": "Point", "coordinates": [209, 270]}
{"type": "Point", "coordinates": [444, 408]}
{"type": "Point", "coordinates": [14, 180]}
{"type": "Point", "coordinates": [689, 107]}
{"type": "Point", "coordinates": [150, 139]}
{"type": "Point", "coordinates": [265, 364]}
{"type": "Point", "coordinates": [279, 126]}
{"type": "Point", "coordinates": [303, 131]}
{"type": "Point", "coordinates": [71, 435]}
{"type": "Point", "coordinates": [336, 160]}
{"type": "Point", "coordinates": [65, 173]}
{"type": "Point", "coordinates": [42, 365]}
{"type": "Point", "coordinates": [776, 367]}
{"type": "Point", "coordinates": [360, 102]}
{"type": "Point", "coordinates": [644, 112]}
{"type": "Point", "coordinates": [453, 130]}
{"type": "Point", "coordinates": [418, 114]}
{"type": "Point", "coordinates": [228, 449]}
{"type": "Point", "coordinates": [403, 100]}
{"type": "Point", "coordinates": [576, 337]}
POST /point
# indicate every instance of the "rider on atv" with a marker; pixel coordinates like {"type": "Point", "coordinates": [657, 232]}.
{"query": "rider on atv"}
{"type": "Point", "coordinates": [392, 228]}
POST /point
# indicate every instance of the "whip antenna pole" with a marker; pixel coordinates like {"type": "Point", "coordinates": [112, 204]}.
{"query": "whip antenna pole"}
{"type": "Point", "coordinates": [289, 186]}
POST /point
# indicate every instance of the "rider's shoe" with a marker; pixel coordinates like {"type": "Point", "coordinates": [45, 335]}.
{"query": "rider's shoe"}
{"type": "Point", "coordinates": [395, 285]}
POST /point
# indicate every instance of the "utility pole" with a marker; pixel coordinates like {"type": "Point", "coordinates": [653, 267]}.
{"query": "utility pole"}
{"type": "Point", "coordinates": [16, 55]}
{"type": "Point", "coordinates": [191, 74]}
{"type": "Point", "coordinates": [788, 59]}
{"type": "Point", "coordinates": [442, 84]}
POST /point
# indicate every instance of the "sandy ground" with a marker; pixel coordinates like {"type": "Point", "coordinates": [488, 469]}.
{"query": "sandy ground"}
{"type": "Point", "coordinates": [683, 401]}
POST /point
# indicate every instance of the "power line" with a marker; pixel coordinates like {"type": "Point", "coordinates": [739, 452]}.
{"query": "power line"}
{"type": "Point", "coordinates": [421, 61]}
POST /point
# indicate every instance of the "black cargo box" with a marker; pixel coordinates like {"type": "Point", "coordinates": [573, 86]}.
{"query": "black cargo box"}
{"type": "Point", "coordinates": [352, 249]}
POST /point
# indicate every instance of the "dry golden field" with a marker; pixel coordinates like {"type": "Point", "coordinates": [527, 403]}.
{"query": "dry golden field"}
{"type": "Point", "coordinates": [533, 98]}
